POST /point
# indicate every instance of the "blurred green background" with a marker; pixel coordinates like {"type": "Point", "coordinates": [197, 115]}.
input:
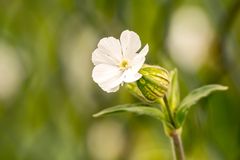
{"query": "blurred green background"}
{"type": "Point", "coordinates": [47, 95]}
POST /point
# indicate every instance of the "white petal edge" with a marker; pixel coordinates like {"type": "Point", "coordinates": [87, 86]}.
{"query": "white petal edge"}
{"type": "Point", "coordinates": [130, 43]}
{"type": "Point", "coordinates": [100, 57]}
{"type": "Point", "coordinates": [115, 89]}
{"type": "Point", "coordinates": [108, 77]}
{"type": "Point", "coordinates": [131, 76]}
{"type": "Point", "coordinates": [144, 51]}
{"type": "Point", "coordinates": [111, 47]}
{"type": "Point", "coordinates": [103, 72]}
{"type": "Point", "coordinates": [138, 61]}
{"type": "Point", "coordinates": [112, 85]}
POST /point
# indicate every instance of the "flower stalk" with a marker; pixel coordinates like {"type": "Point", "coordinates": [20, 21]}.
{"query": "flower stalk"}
{"type": "Point", "coordinates": [169, 112]}
{"type": "Point", "coordinates": [174, 134]}
{"type": "Point", "coordinates": [177, 145]}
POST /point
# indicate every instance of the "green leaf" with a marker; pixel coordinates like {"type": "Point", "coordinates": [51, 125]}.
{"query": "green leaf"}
{"type": "Point", "coordinates": [192, 98]}
{"type": "Point", "coordinates": [134, 108]}
{"type": "Point", "coordinates": [180, 117]}
{"type": "Point", "coordinates": [174, 92]}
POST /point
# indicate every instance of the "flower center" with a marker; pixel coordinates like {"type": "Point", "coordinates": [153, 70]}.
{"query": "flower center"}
{"type": "Point", "coordinates": [124, 64]}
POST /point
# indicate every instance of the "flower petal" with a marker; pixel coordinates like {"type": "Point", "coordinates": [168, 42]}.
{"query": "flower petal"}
{"type": "Point", "coordinates": [113, 89]}
{"type": "Point", "coordinates": [131, 76]}
{"type": "Point", "coordinates": [100, 57]}
{"type": "Point", "coordinates": [112, 85]}
{"type": "Point", "coordinates": [144, 51]}
{"type": "Point", "coordinates": [130, 43]}
{"type": "Point", "coordinates": [139, 59]}
{"type": "Point", "coordinates": [108, 77]}
{"type": "Point", "coordinates": [103, 72]}
{"type": "Point", "coordinates": [111, 47]}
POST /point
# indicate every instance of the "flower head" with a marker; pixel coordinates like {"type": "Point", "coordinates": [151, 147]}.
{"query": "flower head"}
{"type": "Point", "coordinates": [118, 61]}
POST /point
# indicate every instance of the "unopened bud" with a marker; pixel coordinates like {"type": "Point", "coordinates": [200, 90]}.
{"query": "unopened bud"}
{"type": "Point", "coordinates": [154, 82]}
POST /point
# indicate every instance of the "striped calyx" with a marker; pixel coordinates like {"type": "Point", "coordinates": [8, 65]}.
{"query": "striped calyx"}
{"type": "Point", "coordinates": [154, 82]}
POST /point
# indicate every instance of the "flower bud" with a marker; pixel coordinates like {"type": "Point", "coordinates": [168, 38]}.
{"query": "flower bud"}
{"type": "Point", "coordinates": [154, 82]}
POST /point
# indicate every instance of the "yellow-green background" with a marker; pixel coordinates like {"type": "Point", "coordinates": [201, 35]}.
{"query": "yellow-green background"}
{"type": "Point", "coordinates": [47, 95]}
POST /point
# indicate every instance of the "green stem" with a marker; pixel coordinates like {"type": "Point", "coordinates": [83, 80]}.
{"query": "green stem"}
{"type": "Point", "coordinates": [177, 146]}
{"type": "Point", "coordinates": [175, 137]}
{"type": "Point", "coordinates": [169, 111]}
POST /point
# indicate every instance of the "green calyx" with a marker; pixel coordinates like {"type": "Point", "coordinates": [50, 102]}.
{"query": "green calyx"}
{"type": "Point", "coordinates": [154, 82]}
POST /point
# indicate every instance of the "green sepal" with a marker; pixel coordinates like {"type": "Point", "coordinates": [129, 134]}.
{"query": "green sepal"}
{"type": "Point", "coordinates": [154, 82]}
{"type": "Point", "coordinates": [173, 91]}
{"type": "Point", "coordinates": [134, 90]}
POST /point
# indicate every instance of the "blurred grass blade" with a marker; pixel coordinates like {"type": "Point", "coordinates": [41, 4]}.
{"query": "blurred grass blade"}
{"type": "Point", "coordinates": [134, 108]}
{"type": "Point", "coordinates": [174, 92]}
{"type": "Point", "coordinates": [194, 96]}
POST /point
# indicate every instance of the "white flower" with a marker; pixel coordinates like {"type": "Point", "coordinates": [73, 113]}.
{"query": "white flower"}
{"type": "Point", "coordinates": [118, 61]}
